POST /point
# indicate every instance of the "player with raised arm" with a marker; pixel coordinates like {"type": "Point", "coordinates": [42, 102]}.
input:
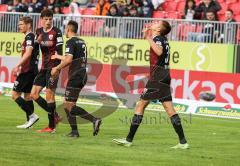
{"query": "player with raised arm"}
{"type": "Point", "coordinates": [50, 41]}
{"type": "Point", "coordinates": [26, 70]}
{"type": "Point", "coordinates": [76, 58]}
{"type": "Point", "coordinates": [158, 85]}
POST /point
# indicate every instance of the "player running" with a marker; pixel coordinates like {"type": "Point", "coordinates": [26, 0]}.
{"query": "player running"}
{"type": "Point", "coordinates": [50, 40]}
{"type": "Point", "coordinates": [76, 58]}
{"type": "Point", "coordinates": [26, 70]}
{"type": "Point", "coordinates": [158, 86]}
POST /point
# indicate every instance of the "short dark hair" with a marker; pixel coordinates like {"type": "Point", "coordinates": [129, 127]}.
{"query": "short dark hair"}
{"type": "Point", "coordinates": [26, 20]}
{"type": "Point", "coordinates": [230, 10]}
{"type": "Point", "coordinates": [73, 26]}
{"type": "Point", "coordinates": [46, 13]}
{"type": "Point", "coordinates": [167, 28]}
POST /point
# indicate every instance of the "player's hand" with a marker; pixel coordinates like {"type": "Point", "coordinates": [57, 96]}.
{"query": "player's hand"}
{"type": "Point", "coordinates": [55, 56]}
{"type": "Point", "coordinates": [146, 33]}
{"type": "Point", "coordinates": [54, 72]}
{"type": "Point", "coordinates": [16, 71]}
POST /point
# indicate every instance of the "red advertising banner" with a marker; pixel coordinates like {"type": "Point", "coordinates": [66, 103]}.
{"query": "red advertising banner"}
{"type": "Point", "coordinates": [131, 80]}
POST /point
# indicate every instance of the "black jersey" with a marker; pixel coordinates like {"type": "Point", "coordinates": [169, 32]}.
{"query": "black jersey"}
{"type": "Point", "coordinates": [31, 65]}
{"type": "Point", "coordinates": [160, 60]}
{"type": "Point", "coordinates": [77, 48]}
{"type": "Point", "coordinates": [50, 42]}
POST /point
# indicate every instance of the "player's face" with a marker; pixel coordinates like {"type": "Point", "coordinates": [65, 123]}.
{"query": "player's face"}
{"type": "Point", "coordinates": [22, 27]}
{"type": "Point", "coordinates": [66, 31]}
{"type": "Point", "coordinates": [47, 22]}
{"type": "Point", "coordinates": [156, 27]}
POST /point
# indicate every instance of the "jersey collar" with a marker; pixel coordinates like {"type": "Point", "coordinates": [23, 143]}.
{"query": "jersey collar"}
{"type": "Point", "coordinates": [48, 30]}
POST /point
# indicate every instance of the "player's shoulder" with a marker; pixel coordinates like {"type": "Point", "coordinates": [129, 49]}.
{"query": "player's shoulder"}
{"type": "Point", "coordinates": [57, 30]}
{"type": "Point", "coordinates": [39, 30]}
{"type": "Point", "coordinates": [30, 35]}
{"type": "Point", "coordinates": [159, 38]}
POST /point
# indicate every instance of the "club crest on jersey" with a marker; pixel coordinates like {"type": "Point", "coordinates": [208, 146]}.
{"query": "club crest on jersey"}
{"type": "Point", "coordinates": [16, 83]}
{"type": "Point", "coordinates": [50, 37]}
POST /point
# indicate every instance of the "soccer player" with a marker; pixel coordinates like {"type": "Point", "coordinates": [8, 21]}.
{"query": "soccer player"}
{"type": "Point", "coordinates": [158, 85]}
{"type": "Point", "coordinates": [26, 70]}
{"type": "Point", "coordinates": [50, 40]}
{"type": "Point", "coordinates": [76, 58]}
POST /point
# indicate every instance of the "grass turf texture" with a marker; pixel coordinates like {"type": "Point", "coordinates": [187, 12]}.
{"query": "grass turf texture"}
{"type": "Point", "coordinates": [213, 141]}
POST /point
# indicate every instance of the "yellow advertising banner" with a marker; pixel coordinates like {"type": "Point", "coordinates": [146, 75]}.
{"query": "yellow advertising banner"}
{"type": "Point", "coordinates": [184, 55]}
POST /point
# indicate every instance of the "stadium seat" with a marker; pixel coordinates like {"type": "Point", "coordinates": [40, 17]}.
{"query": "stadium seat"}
{"type": "Point", "coordinates": [184, 29]}
{"type": "Point", "coordinates": [173, 15]}
{"type": "Point", "coordinates": [235, 7]}
{"type": "Point", "coordinates": [237, 18]}
{"type": "Point", "coordinates": [180, 7]}
{"type": "Point", "coordinates": [87, 26]}
{"type": "Point", "coordinates": [3, 8]}
{"type": "Point", "coordinates": [221, 17]}
{"type": "Point", "coordinates": [65, 10]}
{"type": "Point", "coordinates": [224, 7]}
{"type": "Point", "coordinates": [238, 35]}
{"type": "Point", "coordinates": [159, 14]}
{"type": "Point", "coordinates": [169, 6]}
{"type": "Point", "coordinates": [88, 11]}
{"type": "Point", "coordinates": [230, 1]}
{"type": "Point", "coordinates": [98, 24]}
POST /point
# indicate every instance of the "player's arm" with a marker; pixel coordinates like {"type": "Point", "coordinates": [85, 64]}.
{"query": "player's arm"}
{"type": "Point", "coordinates": [26, 55]}
{"type": "Point", "coordinates": [65, 60]}
{"type": "Point", "coordinates": [156, 46]}
{"type": "Point", "coordinates": [59, 43]}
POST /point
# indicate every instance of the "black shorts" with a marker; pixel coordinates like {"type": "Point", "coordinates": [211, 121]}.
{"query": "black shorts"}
{"type": "Point", "coordinates": [158, 86]}
{"type": "Point", "coordinates": [24, 82]}
{"type": "Point", "coordinates": [74, 87]}
{"type": "Point", "coordinates": [44, 79]}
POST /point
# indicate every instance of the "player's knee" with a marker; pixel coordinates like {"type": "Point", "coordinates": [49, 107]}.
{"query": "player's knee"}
{"type": "Point", "coordinates": [68, 105]}
{"type": "Point", "coordinates": [142, 104]}
{"type": "Point", "coordinates": [14, 95]}
{"type": "Point", "coordinates": [34, 95]}
{"type": "Point", "coordinates": [50, 95]}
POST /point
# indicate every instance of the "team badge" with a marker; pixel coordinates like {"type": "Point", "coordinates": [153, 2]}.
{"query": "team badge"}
{"type": "Point", "coordinates": [50, 37]}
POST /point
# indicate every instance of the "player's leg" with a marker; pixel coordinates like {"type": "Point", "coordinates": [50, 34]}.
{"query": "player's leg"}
{"type": "Point", "coordinates": [33, 118]}
{"type": "Point", "coordinates": [176, 122]}
{"type": "Point", "coordinates": [72, 120]}
{"type": "Point", "coordinates": [50, 98]}
{"type": "Point", "coordinates": [38, 85]}
{"type": "Point", "coordinates": [136, 121]}
{"type": "Point", "coordinates": [73, 89]}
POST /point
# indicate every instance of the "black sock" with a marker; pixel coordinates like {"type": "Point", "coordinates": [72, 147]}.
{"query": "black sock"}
{"type": "Point", "coordinates": [51, 114]}
{"type": "Point", "coordinates": [71, 120]}
{"type": "Point", "coordinates": [31, 106]}
{"type": "Point", "coordinates": [176, 122]}
{"type": "Point", "coordinates": [78, 111]}
{"type": "Point", "coordinates": [42, 103]}
{"type": "Point", "coordinates": [136, 121]}
{"type": "Point", "coordinates": [24, 105]}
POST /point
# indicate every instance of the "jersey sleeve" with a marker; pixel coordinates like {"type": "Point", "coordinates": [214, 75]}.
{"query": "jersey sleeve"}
{"type": "Point", "coordinates": [69, 48]}
{"type": "Point", "coordinates": [30, 40]}
{"type": "Point", "coordinates": [59, 42]}
{"type": "Point", "coordinates": [158, 41]}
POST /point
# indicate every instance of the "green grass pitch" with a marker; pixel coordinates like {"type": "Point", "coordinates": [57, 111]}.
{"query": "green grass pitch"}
{"type": "Point", "coordinates": [213, 141]}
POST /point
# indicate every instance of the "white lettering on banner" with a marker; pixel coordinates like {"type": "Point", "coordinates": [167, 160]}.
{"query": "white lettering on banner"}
{"type": "Point", "coordinates": [174, 84]}
{"type": "Point", "coordinates": [91, 85]}
{"type": "Point", "coordinates": [238, 92]}
{"type": "Point", "coordinates": [211, 85]}
{"type": "Point", "coordinates": [120, 80]}
{"type": "Point", "coordinates": [224, 94]}
{"type": "Point", "coordinates": [188, 89]}
{"type": "Point", "coordinates": [137, 80]}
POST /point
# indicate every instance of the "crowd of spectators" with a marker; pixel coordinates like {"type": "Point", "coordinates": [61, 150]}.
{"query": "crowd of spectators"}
{"type": "Point", "coordinates": [193, 10]}
{"type": "Point", "coordinates": [117, 8]}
